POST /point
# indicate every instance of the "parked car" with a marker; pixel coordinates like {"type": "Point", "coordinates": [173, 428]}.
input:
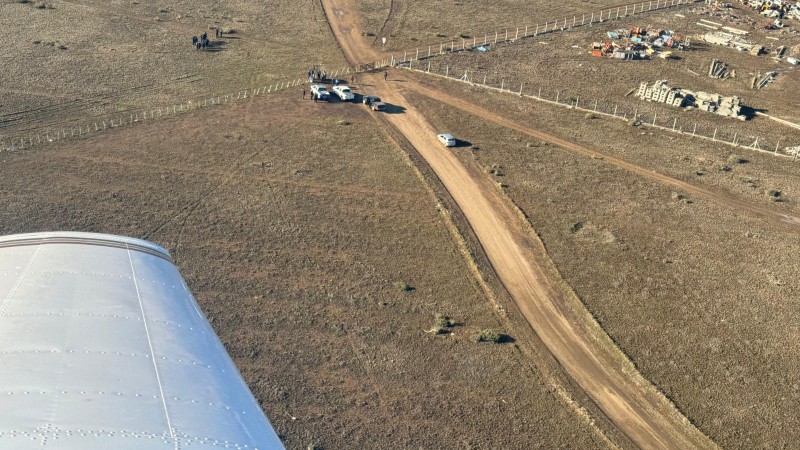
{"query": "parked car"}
{"type": "Point", "coordinates": [370, 99]}
{"type": "Point", "coordinates": [320, 91]}
{"type": "Point", "coordinates": [377, 106]}
{"type": "Point", "coordinates": [447, 139]}
{"type": "Point", "coordinates": [344, 93]}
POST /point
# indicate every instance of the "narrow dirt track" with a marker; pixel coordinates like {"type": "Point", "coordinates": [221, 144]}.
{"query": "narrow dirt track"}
{"type": "Point", "coordinates": [580, 345]}
{"type": "Point", "coordinates": [697, 191]}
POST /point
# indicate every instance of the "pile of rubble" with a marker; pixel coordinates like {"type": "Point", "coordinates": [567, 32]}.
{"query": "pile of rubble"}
{"type": "Point", "coordinates": [775, 9]}
{"type": "Point", "coordinates": [661, 92]}
{"type": "Point", "coordinates": [734, 40]}
{"type": "Point", "coordinates": [759, 82]}
{"type": "Point", "coordinates": [719, 69]}
{"type": "Point", "coordinates": [639, 43]}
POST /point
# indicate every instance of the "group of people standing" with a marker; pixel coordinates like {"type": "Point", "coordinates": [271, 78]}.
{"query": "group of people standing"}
{"type": "Point", "coordinates": [202, 42]}
{"type": "Point", "coordinates": [316, 74]}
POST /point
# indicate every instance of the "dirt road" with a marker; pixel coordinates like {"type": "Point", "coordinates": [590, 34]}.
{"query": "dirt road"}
{"type": "Point", "coordinates": [666, 180]}
{"type": "Point", "coordinates": [580, 345]}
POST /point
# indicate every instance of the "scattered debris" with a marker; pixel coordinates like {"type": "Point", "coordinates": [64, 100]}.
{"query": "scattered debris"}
{"type": "Point", "coordinates": [729, 40]}
{"type": "Point", "coordinates": [792, 60]}
{"type": "Point", "coordinates": [639, 43]}
{"type": "Point", "coordinates": [661, 92]}
{"type": "Point", "coordinates": [765, 80]}
{"type": "Point", "coordinates": [778, 9]}
{"type": "Point", "coordinates": [718, 69]}
{"type": "Point", "coordinates": [792, 151]}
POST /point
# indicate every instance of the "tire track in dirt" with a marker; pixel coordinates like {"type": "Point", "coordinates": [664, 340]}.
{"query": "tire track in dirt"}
{"type": "Point", "coordinates": [663, 179]}
{"type": "Point", "coordinates": [579, 344]}
{"type": "Point", "coordinates": [395, 12]}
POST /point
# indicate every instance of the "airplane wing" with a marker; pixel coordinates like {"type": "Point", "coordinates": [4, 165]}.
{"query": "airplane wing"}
{"type": "Point", "coordinates": [102, 346]}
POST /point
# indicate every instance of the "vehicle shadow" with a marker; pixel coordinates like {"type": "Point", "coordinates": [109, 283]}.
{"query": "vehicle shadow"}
{"type": "Point", "coordinates": [394, 109]}
{"type": "Point", "coordinates": [462, 144]}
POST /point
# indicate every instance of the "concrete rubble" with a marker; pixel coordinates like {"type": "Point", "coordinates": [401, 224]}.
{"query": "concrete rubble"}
{"type": "Point", "coordinates": [661, 92]}
{"type": "Point", "coordinates": [730, 40]}
{"type": "Point", "coordinates": [719, 69]}
{"type": "Point", "coordinates": [762, 82]}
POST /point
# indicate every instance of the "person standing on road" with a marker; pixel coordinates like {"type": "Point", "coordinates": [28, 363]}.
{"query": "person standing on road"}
{"type": "Point", "coordinates": [385, 75]}
{"type": "Point", "coordinates": [314, 96]}
{"type": "Point", "coordinates": [304, 93]}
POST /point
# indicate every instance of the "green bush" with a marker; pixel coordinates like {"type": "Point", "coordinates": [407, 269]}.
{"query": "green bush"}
{"type": "Point", "coordinates": [774, 195]}
{"type": "Point", "coordinates": [444, 321]}
{"type": "Point", "coordinates": [736, 159]}
{"type": "Point", "coordinates": [489, 335]}
{"type": "Point", "coordinates": [403, 286]}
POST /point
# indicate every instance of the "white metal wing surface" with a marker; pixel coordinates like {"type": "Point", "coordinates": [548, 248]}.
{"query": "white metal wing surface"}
{"type": "Point", "coordinates": [102, 346]}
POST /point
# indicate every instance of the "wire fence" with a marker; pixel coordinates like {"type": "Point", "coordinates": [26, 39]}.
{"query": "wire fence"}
{"type": "Point", "coordinates": [521, 32]}
{"type": "Point", "coordinates": [50, 135]}
{"type": "Point", "coordinates": [645, 115]}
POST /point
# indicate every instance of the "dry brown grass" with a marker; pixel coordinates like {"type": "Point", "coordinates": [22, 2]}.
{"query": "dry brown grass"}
{"type": "Point", "coordinates": [417, 22]}
{"type": "Point", "coordinates": [696, 294]}
{"type": "Point", "coordinates": [128, 55]}
{"type": "Point", "coordinates": [291, 231]}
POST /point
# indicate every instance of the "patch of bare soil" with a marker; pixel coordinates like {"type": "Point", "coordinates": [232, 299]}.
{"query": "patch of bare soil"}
{"type": "Point", "coordinates": [321, 262]}
{"type": "Point", "coordinates": [696, 293]}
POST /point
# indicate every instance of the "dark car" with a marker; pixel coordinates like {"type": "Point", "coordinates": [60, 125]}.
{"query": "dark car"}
{"type": "Point", "coordinates": [370, 99]}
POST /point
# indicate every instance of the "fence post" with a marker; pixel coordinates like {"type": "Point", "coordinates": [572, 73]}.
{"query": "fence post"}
{"type": "Point", "coordinates": [516, 36]}
{"type": "Point", "coordinates": [615, 110]}
{"type": "Point", "coordinates": [557, 94]}
{"type": "Point", "coordinates": [674, 122]}
{"type": "Point", "coordinates": [441, 45]}
{"type": "Point", "coordinates": [484, 80]}
{"type": "Point", "coordinates": [429, 66]}
{"type": "Point", "coordinates": [495, 37]}
{"type": "Point", "coordinates": [714, 138]}
{"type": "Point", "coordinates": [694, 130]}
{"type": "Point", "coordinates": [776, 146]}
{"type": "Point", "coordinates": [734, 138]}
{"type": "Point", "coordinates": [452, 46]}
{"type": "Point", "coordinates": [502, 85]}
{"type": "Point", "coordinates": [429, 51]}
{"type": "Point", "coordinates": [655, 115]}
{"type": "Point", "coordinates": [520, 89]}
{"type": "Point", "coordinates": [447, 71]}
{"type": "Point", "coordinates": [417, 58]}
{"type": "Point", "coordinates": [540, 92]}
{"type": "Point", "coordinates": [405, 54]}
{"type": "Point", "coordinates": [526, 31]}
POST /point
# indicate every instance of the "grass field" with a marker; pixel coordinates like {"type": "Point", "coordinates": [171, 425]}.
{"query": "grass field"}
{"type": "Point", "coordinates": [90, 59]}
{"type": "Point", "coordinates": [408, 23]}
{"type": "Point", "coordinates": [295, 224]}
{"type": "Point", "coordinates": [698, 295]}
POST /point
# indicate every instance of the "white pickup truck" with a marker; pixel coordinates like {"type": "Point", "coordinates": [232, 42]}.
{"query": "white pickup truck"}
{"type": "Point", "coordinates": [343, 92]}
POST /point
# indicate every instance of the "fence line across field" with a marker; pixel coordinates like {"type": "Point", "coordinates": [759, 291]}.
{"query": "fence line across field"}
{"type": "Point", "coordinates": [735, 138]}
{"type": "Point", "coordinates": [514, 33]}
{"type": "Point", "coordinates": [47, 135]}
